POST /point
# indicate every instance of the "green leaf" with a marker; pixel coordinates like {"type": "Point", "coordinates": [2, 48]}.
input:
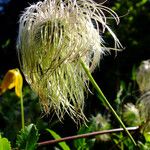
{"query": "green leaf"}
{"type": "Point", "coordinates": [27, 139]}
{"type": "Point", "coordinates": [63, 145]}
{"type": "Point", "coordinates": [143, 146]}
{"type": "Point", "coordinates": [86, 143]}
{"type": "Point", "coordinates": [141, 3]}
{"type": "Point", "coordinates": [134, 72]}
{"type": "Point", "coordinates": [7, 42]}
{"type": "Point", "coordinates": [4, 144]}
{"type": "Point", "coordinates": [147, 136]}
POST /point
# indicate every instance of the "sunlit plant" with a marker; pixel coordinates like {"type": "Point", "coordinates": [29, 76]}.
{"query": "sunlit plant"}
{"type": "Point", "coordinates": [54, 37]}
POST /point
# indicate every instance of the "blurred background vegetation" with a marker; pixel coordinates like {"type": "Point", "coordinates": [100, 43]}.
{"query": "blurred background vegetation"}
{"type": "Point", "coordinates": [134, 34]}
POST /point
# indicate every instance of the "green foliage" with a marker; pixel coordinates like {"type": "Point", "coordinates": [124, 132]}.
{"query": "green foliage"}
{"type": "Point", "coordinates": [5, 45]}
{"type": "Point", "coordinates": [63, 145]}
{"type": "Point", "coordinates": [147, 136]}
{"type": "Point", "coordinates": [4, 144]}
{"type": "Point", "coordinates": [27, 138]}
{"type": "Point", "coordinates": [134, 73]}
{"type": "Point", "coordinates": [10, 115]}
{"type": "Point", "coordinates": [96, 123]}
{"type": "Point", "coordinates": [145, 146]}
{"type": "Point", "coordinates": [133, 23]}
{"type": "Point", "coordinates": [83, 143]}
{"type": "Point", "coordinates": [131, 115]}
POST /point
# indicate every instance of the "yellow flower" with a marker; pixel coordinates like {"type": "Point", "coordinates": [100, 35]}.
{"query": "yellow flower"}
{"type": "Point", "coordinates": [12, 79]}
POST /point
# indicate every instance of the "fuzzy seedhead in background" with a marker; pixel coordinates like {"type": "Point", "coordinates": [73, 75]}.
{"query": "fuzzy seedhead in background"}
{"type": "Point", "coordinates": [131, 115]}
{"type": "Point", "coordinates": [143, 80]}
{"type": "Point", "coordinates": [143, 104]}
{"type": "Point", "coordinates": [143, 76]}
{"type": "Point", "coordinates": [54, 36]}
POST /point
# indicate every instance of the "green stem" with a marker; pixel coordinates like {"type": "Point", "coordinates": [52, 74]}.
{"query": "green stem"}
{"type": "Point", "coordinates": [22, 111]}
{"type": "Point", "coordinates": [100, 93]}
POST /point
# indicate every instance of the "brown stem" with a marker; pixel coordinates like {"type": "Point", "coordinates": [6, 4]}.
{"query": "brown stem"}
{"type": "Point", "coordinates": [86, 135]}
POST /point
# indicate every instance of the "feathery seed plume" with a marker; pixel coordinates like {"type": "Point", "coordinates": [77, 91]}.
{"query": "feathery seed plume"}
{"type": "Point", "coordinates": [54, 36]}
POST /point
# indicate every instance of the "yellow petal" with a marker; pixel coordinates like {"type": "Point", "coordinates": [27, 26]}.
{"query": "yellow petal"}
{"type": "Point", "coordinates": [12, 79]}
{"type": "Point", "coordinates": [18, 84]}
{"type": "Point", "coordinates": [8, 82]}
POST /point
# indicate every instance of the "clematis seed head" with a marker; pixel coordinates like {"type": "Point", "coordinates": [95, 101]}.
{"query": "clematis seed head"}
{"type": "Point", "coordinates": [54, 36]}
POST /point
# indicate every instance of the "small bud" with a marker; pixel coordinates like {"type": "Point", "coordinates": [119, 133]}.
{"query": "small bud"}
{"type": "Point", "coordinates": [131, 115]}
{"type": "Point", "coordinates": [98, 123]}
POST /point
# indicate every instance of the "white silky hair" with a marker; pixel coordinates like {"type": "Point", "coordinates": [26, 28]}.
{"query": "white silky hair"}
{"type": "Point", "coordinates": [54, 36]}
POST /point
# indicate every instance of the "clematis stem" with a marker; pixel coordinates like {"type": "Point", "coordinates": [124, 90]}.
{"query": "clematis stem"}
{"type": "Point", "coordinates": [104, 100]}
{"type": "Point", "coordinates": [22, 111]}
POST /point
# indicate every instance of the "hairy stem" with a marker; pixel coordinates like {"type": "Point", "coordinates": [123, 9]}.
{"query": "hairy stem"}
{"type": "Point", "coordinates": [104, 100]}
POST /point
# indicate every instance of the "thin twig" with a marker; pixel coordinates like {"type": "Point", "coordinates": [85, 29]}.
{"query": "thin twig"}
{"type": "Point", "coordinates": [86, 135]}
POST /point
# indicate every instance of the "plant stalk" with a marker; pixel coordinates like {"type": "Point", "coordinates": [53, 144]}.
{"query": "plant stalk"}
{"type": "Point", "coordinates": [104, 99]}
{"type": "Point", "coordinates": [86, 135]}
{"type": "Point", "coordinates": [22, 111]}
